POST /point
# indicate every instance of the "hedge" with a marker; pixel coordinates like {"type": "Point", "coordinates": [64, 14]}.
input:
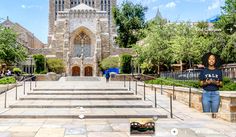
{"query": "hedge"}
{"type": "Point", "coordinates": [228, 85]}
{"type": "Point", "coordinates": [7, 80]}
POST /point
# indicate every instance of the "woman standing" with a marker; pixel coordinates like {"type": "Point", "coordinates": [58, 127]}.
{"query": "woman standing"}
{"type": "Point", "coordinates": [211, 80]}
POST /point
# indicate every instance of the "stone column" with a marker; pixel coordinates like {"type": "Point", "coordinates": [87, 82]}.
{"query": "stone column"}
{"type": "Point", "coordinates": [51, 20]}
{"type": "Point", "coordinates": [67, 4]}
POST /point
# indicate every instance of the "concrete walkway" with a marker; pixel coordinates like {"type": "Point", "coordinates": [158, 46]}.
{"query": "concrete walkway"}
{"type": "Point", "coordinates": [188, 122]}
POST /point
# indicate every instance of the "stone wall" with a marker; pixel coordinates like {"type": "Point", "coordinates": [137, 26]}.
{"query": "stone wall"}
{"type": "Point", "coordinates": [5, 87]}
{"type": "Point", "coordinates": [118, 51]}
{"type": "Point", "coordinates": [121, 77]}
{"type": "Point", "coordinates": [227, 110]}
{"type": "Point", "coordinates": [48, 77]}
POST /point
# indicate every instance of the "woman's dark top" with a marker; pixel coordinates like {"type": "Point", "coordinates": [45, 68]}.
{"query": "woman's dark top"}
{"type": "Point", "coordinates": [215, 74]}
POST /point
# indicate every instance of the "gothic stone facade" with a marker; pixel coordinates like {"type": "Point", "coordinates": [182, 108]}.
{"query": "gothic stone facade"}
{"type": "Point", "coordinates": [80, 33]}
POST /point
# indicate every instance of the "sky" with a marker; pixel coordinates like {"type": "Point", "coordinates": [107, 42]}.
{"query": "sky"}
{"type": "Point", "coordinates": [33, 14]}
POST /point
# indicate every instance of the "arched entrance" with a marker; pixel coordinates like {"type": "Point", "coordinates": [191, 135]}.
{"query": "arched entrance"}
{"type": "Point", "coordinates": [88, 71]}
{"type": "Point", "coordinates": [76, 71]}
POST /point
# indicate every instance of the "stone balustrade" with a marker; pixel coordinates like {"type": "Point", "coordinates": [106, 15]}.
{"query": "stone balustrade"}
{"type": "Point", "coordinates": [227, 110]}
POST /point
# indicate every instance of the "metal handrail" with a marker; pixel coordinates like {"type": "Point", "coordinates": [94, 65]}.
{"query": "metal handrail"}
{"type": "Point", "coordinates": [23, 81]}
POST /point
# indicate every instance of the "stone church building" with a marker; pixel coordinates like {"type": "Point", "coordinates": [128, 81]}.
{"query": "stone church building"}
{"type": "Point", "coordinates": [81, 32]}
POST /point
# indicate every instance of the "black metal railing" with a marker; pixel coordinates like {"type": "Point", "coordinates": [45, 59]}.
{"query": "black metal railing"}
{"type": "Point", "coordinates": [171, 93]}
{"type": "Point", "coordinates": [16, 88]}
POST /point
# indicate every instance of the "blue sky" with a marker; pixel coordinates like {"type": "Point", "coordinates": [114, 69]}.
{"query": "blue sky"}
{"type": "Point", "coordinates": [33, 14]}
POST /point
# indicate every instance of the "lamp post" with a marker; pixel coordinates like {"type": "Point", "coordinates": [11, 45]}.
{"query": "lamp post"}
{"type": "Point", "coordinates": [31, 64]}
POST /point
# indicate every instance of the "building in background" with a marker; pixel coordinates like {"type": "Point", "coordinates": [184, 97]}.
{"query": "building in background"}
{"type": "Point", "coordinates": [81, 33]}
{"type": "Point", "coordinates": [25, 37]}
{"type": "Point", "coordinates": [28, 40]}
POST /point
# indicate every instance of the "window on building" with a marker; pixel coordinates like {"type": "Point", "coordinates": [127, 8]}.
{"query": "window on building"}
{"type": "Point", "coordinates": [93, 3]}
{"type": "Point", "coordinates": [105, 6]}
{"type": "Point", "coordinates": [101, 5]}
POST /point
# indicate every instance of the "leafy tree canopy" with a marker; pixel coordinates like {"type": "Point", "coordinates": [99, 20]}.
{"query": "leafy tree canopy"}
{"type": "Point", "coordinates": [129, 19]}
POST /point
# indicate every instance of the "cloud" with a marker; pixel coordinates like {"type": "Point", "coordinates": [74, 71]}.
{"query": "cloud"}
{"type": "Point", "coordinates": [31, 6]}
{"type": "Point", "coordinates": [170, 5]}
{"type": "Point", "coordinates": [23, 6]}
{"type": "Point", "coordinates": [215, 4]}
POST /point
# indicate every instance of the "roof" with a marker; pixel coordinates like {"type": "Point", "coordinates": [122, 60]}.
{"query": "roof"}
{"type": "Point", "coordinates": [213, 19]}
{"type": "Point", "coordinates": [82, 6]}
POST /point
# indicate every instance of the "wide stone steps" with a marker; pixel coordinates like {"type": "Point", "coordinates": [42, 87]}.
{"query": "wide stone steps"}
{"type": "Point", "coordinates": [80, 89]}
{"type": "Point", "coordinates": [82, 78]}
{"type": "Point", "coordinates": [80, 97]}
{"type": "Point", "coordinates": [81, 103]}
{"type": "Point", "coordinates": [80, 93]}
{"type": "Point", "coordinates": [84, 113]}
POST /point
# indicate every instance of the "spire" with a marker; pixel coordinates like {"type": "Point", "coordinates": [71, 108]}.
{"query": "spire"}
{"type": "Point", "coordinates": [158, 15]}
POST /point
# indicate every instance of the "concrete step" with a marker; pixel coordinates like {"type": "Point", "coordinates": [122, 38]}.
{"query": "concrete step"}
{"type": "Point", "coordinates": [70, 78]}
{"type": "Point", "coordinates": [82, 103]}
{"type": "Point", "coordinates": [85, 113]}
{"type": "Point", "coordinates": [81, 89]}
{"type": "Point", "coordinates": [80, 93]}
{"type": "Point", "coordinates": [81, 97]}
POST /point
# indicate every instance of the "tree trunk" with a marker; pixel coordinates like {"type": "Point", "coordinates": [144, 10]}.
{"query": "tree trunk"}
{"type": "Point", "coordinates": [181, 65]}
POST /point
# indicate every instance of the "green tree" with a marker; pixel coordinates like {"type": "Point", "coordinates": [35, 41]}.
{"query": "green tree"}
{"type": "Point", "coordinates": [203, 25]}
{"type": "Point", "coordinates": [40, 61]}
{"type": "Point", "coordinates": [228, 17]}
{"type": "Point", "coordinates": [155, 50]}
{"type": "Point", "coordinates": [110, 62]}
{"type": "Point", "coordinates": [129, 19]}
{"type": "Point", "coordinates": [185, 44]}
{"type": "Point", "coordinates": [56, 65]}
{"type": "Point", "coordinates": [229, 51]}
{"type": "Point", "coordinates": [126, 63]}
{"type": "Point", "coordinates": [11, 51]}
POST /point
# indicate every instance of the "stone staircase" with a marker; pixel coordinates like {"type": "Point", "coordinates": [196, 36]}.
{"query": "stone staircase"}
{"type": "Point", "coordinates": [82, 103]}
{"type": "Point", "coordinates": [69, 78]}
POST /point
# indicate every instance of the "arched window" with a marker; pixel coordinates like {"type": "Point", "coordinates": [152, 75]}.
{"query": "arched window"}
{"type": "Point", "coordinates": [101, 5]}
{"type": "Point", "coordinates": [93, 3]}
{"type": "Point", "coordinates": [82, 44]}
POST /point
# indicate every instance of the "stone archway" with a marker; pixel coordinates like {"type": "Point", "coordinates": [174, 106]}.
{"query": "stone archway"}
{"type": "Point", "coordinates": [75, 71]}
{"type": "Point", "coordinates": [88, 71]}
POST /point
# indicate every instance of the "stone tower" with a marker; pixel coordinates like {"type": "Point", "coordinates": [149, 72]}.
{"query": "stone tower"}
{"type": "Point", "coordinates": [80, 33]}
{"type": "Point", "coordinates": [55, 6]}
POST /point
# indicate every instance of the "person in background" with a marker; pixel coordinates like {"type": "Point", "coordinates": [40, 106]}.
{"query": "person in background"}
{"type": "Point", "coordinates": [8, 73]}
{"type": "Point", "coordinates": [211, 80]}
{"type": "Point", "coordinates": [107, 75]}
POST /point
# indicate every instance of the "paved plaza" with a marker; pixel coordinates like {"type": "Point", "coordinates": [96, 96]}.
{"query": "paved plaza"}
{"type": "Point", "coordinates": [98, 109]}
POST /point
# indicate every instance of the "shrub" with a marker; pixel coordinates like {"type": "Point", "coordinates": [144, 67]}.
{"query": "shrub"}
{"type": "Point", "coordinates": [109, 62]}
{"type": "Point", "coordinates": [43, 72]}
{"type": "Point", "coordinates": [7, 80]}
{"type": "Point", "coordinates": [126, 63]}
{"type": "Point", "coordinates": [56, 65]}
{"type": "Point", "coordinates": [39, 63]}
{"type": "Point", "coordinates": [17, 71]}
{"type": "Point", "coordinates": [228, 85]}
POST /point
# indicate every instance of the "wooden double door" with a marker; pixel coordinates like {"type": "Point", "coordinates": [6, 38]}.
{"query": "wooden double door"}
{"type": "Point", "coordinates": [76, 71]}
{"type": "Point", "coordinates": [88, 71]}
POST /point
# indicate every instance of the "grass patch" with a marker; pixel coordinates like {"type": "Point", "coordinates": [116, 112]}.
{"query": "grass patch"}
{"type": "Point", "coordinates": [228, 84]}
{"type": "Point", "coordinates": [7, 80]}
